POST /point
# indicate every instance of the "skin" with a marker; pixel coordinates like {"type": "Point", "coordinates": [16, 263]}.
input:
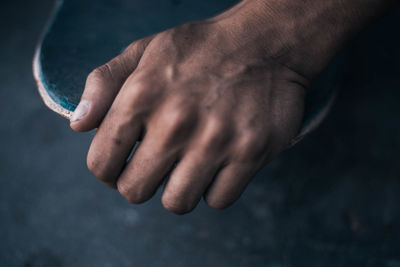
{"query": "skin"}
{"type": "Point", "coordinates": [213, 101]}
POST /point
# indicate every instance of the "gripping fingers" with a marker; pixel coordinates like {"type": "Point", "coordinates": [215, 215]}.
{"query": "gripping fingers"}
{"type": "Point", "coordinates": [102, 86]}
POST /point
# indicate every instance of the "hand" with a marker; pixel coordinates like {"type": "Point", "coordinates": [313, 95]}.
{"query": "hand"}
{"type": "Point", "coordinates": [212, 101]}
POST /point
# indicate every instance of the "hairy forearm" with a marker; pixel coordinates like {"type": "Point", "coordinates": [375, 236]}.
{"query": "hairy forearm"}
{"type": "Point", "coordinates": [305, 34]}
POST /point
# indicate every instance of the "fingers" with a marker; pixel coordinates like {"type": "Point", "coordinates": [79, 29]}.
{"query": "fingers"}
{"type": "Point", "coordinates": [188, 183]}
{"type": "Point", "coordinates": [110, 149]}
{"type": "Point", "coordinates": [145, 172]}
{"type": "Point", "coordinates": [250, 151]}
{"type": "Point", "coordinates": [156, 155]}
{"type": "Point", "coordinates": [229, 185]}
{"type": "Point", "coordinates": [103, 84]}
{"type": "Point", "coordinates": [196, 170]}
{"type": "Point", "coordinates": [116, 136]}
{"type": "Point", "coordinates": [174, 134]}
{"type": "Point", "coordinates": [121, 128]}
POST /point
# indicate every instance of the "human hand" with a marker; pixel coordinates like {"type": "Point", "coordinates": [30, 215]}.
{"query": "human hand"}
{"type": "Point", "coordinates": [212, 102]}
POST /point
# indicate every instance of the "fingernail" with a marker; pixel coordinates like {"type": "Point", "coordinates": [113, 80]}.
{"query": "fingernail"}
{"type": "Point", "coordinates": [80, 111]}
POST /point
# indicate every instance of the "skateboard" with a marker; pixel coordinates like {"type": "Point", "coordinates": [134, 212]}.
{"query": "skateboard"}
{"type": "Point", "coordinates": [82, 35]}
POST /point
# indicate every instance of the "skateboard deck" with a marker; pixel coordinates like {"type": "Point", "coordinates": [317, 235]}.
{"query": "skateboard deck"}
{"type": "Point", "coordinates": [82, 35]}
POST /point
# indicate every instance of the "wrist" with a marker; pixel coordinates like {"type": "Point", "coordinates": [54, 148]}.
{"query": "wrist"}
{"type": "Point", "coordinates": [302, 35]}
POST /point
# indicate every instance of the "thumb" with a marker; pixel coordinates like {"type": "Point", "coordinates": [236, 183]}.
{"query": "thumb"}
{"type": "Point", "coordinates": [102, 86]}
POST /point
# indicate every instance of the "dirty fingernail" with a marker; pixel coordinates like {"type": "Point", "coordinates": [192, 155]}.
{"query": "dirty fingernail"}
{"type": "Point", "coordinates": [80, 111]}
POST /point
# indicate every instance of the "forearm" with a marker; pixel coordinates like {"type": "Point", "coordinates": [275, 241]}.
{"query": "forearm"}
{"type": "Point", "coordinates": [305, 34]}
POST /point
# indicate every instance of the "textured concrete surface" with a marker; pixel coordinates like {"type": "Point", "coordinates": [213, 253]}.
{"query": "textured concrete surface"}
{"type": "Point", "coordinates": [330, 201]}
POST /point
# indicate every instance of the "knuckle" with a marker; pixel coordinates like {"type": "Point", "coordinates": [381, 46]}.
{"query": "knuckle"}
{"type": "Point", "coordinates": [216, 203]}
{"type": "Point", "coordinates": [214, 130]}
{"type": "Point", "coordinates": [139, 84]}
{"type": "Point", "coordinates": [176, 205]}
{"type": "Point", "coordinates": [176, 119]}
{"type": "Point", "coordinates": [250, 139]}
{"type": "Point", "coordinates": [94, 164]}
{"type": "Point", "coordinates": [250, 146]}
{"type": "Point", "coordinates": [97, 167]}
{"type": "Point", "coordinates": [136, 48]}
{"type": "Point", "coordinates": [177, 122]}
{"type": "Point", "coordinates": [99, 74]}
{"type": "Point", "coordinates": [133, 48]}
{"type": "Point", "coordinates": [140, 91]}
{"type": "Point", "coordinates": [138, 98]}
{"type": "Point", "coordinates": [132, 196]}
{"type": "Point", "coordinates": [114, 70]}
{"type": "Point", "coordinates": [216, 136]}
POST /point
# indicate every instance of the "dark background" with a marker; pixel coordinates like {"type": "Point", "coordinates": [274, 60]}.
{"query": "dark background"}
{"type": "Point", "coordinates": [332, 200]}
